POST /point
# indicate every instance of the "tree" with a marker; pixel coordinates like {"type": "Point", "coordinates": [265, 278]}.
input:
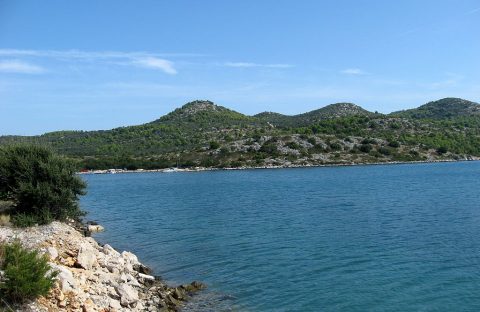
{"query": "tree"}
{"type": "Point", "coordinates": [42, 185]}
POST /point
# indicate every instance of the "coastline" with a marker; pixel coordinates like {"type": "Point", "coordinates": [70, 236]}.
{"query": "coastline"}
{"type": "Point", "coordinates": [201, 169]}
{"type": "Point", "coordinates": [94, 277]}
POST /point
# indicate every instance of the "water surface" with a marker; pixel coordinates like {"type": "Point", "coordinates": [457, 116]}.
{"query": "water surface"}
{"type": "Point", "coordinates": [365, 238]}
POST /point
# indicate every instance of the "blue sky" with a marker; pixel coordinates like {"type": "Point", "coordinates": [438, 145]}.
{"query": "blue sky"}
{"type": "Point", "coordinates": [103, 64]}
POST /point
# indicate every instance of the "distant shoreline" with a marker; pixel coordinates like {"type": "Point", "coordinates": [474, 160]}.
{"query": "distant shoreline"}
{"type": "Point", "coordinates": [201, 169]}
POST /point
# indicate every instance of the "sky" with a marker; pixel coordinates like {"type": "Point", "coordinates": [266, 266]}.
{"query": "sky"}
{"type": "Point", "coordinates": [89, 64]}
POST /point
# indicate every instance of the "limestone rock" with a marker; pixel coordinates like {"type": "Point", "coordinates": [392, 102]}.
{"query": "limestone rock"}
{"type": "Point", "coordinates": [127, 293]}
{"type": "Point", "coordinates": [65, 278]}
{"type": "Point", "coordinates": [52, 253]}
{"type": "Point", "coordinates": [86, 257]}
{"type": "Point", "coordinates": [95, 228]}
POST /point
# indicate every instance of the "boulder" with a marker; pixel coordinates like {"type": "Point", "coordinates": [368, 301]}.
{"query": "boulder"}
{"type": "Point", "coordinates": [108, 250]}
{"type": "Point", "coordinates": [95, 228]}
{"type": "Point", "coordinates": [130, 258]}
{"type": "Point", "coordinates": [140, 268]}
{"type": "Point", "coordinates": [86, 257]}
{"type": "Point", "coordinates": [128, 295]}
{"type": "Point", "coordinates": [52, 253]}
{"type": "Point", "coordinates": [65, 278]}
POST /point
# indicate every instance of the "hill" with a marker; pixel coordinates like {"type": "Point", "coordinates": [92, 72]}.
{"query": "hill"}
{"type": "Point", "coordinates": [331, 111]}
{"type": "Point", "coordinates": [201, 133]}
{"type": "Point", "coordinates": [446, 108]}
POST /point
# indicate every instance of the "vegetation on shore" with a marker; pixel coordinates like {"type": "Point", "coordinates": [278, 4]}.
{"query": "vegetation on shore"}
{"type": "Point", "coordinates": [206, 135]}
{"type": "Point", "coordinates": [40, 185]}
{"type": "Point", "coordinates": [25, 274]}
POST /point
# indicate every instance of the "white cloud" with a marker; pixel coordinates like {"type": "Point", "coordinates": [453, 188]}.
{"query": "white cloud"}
{"type": "Point", "coordinates": [142, 59]}
{"type": "Point", "coordinates": [17, 66]}
{"type": "Point", "coordinates": [353, 71]}
{"type": "Point", "coordinates": [247, 65]}
{"type": "Point", "coordinates": [78, 54]}
{"type": "Point", "coordinates": [156, 63]}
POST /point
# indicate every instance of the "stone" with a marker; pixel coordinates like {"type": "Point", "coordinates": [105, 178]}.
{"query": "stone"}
{"type": "Point", "coordinates": [115, 304]}
{"type": "Point", "coordinates": [108, 250]}
{"type": "Point", "coordinates": [86, 257]}
{"type": "Point", "coordinates": [52, 253]}
{"type": "Point", "coordinates": [140, 268]}
{"type": "Point", "coordinates": [130, 258]}
{"type": "Point", "coordinates": [146, 277]}
{"type": "Point", "coordinates": [88, 306]}
{"type": "Point", "coordinates": [65, 278]}
{"type": "Point", "coordinates": [95, 228]}
{"type": "Point", "coordinates": [127, 293]}
{"type": "Point", "coordinates": [179, 293]}
{"type": "Point", "coordinates": [60, 296]}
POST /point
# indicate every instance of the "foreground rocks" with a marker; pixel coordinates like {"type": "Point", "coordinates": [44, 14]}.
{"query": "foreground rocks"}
{"type": "Point", "coordinates": [93, 277]}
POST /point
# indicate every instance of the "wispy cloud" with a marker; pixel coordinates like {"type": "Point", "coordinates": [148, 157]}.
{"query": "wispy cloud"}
{"type": "Point", "coordinates": [18, 66]}
{"type": "Point", "coordinates": [451, 80]}
{"type": "Point", "coordinates": [473, 11]}
{"type": "Point", "coordinates": [249, 65]}
{"type": "Point", "coordinates": [79, 54]}
{"type": "Point", "coordinates": [141, 59]}
{"type": "Point", "coordinates": [156, 63]}
{"type": "Point", "coordinates": [353, 71]}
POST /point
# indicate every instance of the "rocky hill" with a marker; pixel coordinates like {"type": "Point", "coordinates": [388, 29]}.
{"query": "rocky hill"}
{"type": "Point", "coordinates": [331, 111]}
{"type": "Point", "coordinates": [446, 108]}
{"type": "Point", "coordinates": [202, 134]}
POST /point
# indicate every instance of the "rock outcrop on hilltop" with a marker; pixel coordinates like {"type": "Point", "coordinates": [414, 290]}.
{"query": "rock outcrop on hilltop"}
{"type": "Point", "coordinates": [93, 277]}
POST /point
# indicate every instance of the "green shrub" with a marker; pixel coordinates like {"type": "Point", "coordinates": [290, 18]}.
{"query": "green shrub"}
{"type": "Point", "coordinates": [384, 151]}
{"type": "Point", "coordinates": [27, 275]}
{"type": "Point", "coordinates": [442, 150]}
{"type": "Point", "coordinates": [213, 145]}
{"type": "Point", "coordinates": [366, 148]}
{"type": "Point", "coordinates": [335, 146]}
{"type": "Point", "coordinates": [394, 144]}
{"type": "Point", "coordinates": [42, 186]}
{"type": "Point", "coordinates": [24, 220]}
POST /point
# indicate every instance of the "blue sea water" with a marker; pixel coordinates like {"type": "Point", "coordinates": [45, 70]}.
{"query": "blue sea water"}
{"type": "Point", "coordinates": [364, 238]}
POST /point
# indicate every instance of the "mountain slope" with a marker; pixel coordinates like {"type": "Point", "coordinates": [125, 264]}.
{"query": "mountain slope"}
{"type": "Point", "coordinates": [442, 109]}
{"type": "Point", "coordinates": [331, 111]}
{"type": "Point", "coordinates": [201, 133]}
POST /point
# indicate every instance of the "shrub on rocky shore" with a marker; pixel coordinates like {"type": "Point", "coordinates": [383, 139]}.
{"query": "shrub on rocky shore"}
{"type": "Point", "coordinates": [24, 274]}
{"type": "Point", "coordinates": [41, 185]}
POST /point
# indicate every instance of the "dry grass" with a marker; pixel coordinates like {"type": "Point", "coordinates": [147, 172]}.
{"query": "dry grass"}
{"type": "Point", "coordinates": [5, 206]}
{"type": "Point", "coordinates": [4, 220]}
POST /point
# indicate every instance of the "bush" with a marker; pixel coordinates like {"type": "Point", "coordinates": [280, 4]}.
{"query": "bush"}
{"type": "Point", "coordinates": [213, 145]}
{"type": "Point", "coordinates": [384, 151]}
{"type": "Point", "coordinates": [442, 150]}
{"type": "Point", "coordinates": [42, 186]}
{"type": "Point", "coordinates": [27, 275]}
{"type": "Point", "coordinates": [394, 144]}
{"type": "Point", "coordinates": [366, 148]}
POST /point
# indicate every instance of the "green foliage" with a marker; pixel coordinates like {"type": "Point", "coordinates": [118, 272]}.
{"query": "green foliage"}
{"type": "Point", "coordinates": [27, 275]}
{"type": "Point", "coordinates": [42, 186]}
{"type": "Point", "coordinates": [442, 150]}
{"type": "Point", "coordinates": [24, 220]}
{"type": "Point", "coordinates": [214, 145]}
{"type": "Point", "coordinates": [366, 148]}
{"type": "Point", "coordinates": [394, 144]}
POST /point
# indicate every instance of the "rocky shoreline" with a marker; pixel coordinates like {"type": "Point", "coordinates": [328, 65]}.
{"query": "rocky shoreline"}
{"type": "Point", "coordinates": [284, 166]}
{"type": "Point", "coordinates": [94, 277]}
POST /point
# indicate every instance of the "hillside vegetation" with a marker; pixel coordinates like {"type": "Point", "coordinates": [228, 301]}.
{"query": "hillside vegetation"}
{"type": "Point", "coordinates": [201, 133]}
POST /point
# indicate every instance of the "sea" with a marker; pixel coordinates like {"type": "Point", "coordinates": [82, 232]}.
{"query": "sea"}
{"type": "Point", "coordinates": [361, 238]}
